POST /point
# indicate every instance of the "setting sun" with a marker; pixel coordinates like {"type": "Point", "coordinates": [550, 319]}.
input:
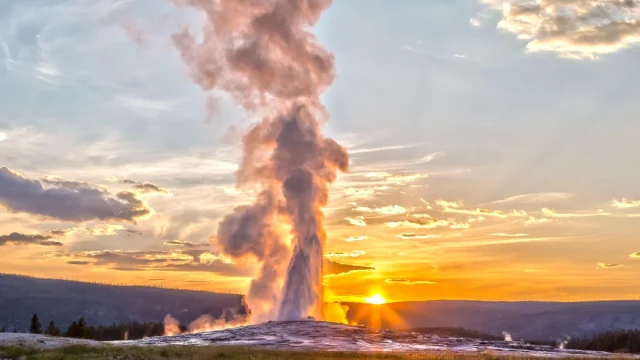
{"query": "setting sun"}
{"type": "Point", "coordinates": [375, 299]}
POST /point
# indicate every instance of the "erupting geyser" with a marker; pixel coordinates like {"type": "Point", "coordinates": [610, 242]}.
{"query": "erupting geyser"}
{"type": "Point", "coordinates": [263, 53]}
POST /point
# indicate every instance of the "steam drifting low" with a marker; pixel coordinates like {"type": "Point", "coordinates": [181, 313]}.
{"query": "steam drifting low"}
{"type": "Point", "coordinates": [264, 55]}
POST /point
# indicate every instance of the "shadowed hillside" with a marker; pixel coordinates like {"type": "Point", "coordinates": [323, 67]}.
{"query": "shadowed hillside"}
{"type": "Point", "coordinates": [65, 301]}
{"type": "Point", "coordinates": [523, 320]}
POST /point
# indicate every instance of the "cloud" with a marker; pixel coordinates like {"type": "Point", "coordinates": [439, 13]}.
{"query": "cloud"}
{"type": "Point", "coordinates": [383, 148]}
{"type": "Point", "coordinates": [105, 230]}
{"type": "Point", "coordinates": [386, 210]}
{"type": "Point", "coordinates": [608, 266]}
{"type": "Point", "coordinates": [359, 192]}
{"type": "Point", "coordinates": [576, 29]}
{"type": "Point", "coordinates": [3, 136]}
{"type": "Point", "coordinates": [75, 262]}
{"type": "Point", "coordinates": [534, 198]}
{"type": "Point", "coordinates": [354, 253]}
{"type": "Point", "coordinates": [177, 261]}
{"type": "Point", "coordinates": [355, 238]}
{"type": "Point", "coordinates": [411, 236]}
{"type": "Point", "coordinates": [334, 268]}
{"type": "Point", "coordinates": [477, 212]}
{"type": "Point", "coordinates": [625, 203]}
{"type": "Point", "coordinates": [449, 204]}
{"type": "Point", "coordinates": [403, 179]}
{"type": "Point", "coordinates": [509, 235]}
{"type": "Point", "coordinates": [534, 220]}
{"type": "Point", "coordinates": [420, 224]}
{"type": "Point", "coordinates": [186, 244]}
{"type": "Point", "coordinates": [66, 200]}
{"type": "Point", "coordinates": [553, 213]}
{"type": "Point", "coordinates": [378, 175]}
{"type": "Point", "coordinates": [144, 106]}
{"type": "Point", "coordinates": [409, 282]}
{"type": "Point", "coordinates": [635, 255]}
{"type": "Point", "coordinates": [357, 221]}
{"type": "Point", "coordinates": [145, 188]}
{"type": "Point", "coordinates": [455, 207]}
{"type": "Point", "coordinates": [16, 238]}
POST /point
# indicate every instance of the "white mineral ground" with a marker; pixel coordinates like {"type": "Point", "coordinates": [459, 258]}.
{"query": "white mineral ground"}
{"type": "Point", "coordinates": [322, 336]}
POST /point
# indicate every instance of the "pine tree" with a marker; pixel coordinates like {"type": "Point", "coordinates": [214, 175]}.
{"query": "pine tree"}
{"type": "Point", "coordinates": [52, 330]}
{"type": "Point", "coordinates": [82, 325]}
{"type": "Point", "coordinates": [36, 327]}
{"type": "Point", "coordinates": [72, 330]}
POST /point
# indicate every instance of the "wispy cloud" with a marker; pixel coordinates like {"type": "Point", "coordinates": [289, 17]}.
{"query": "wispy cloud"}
{"type": "Point", "coordinates": [625, 203]}
{"type": "Point", "coordinates": [383, 148]}
{"type": "Point", "coordinates": [181, 243]}
{"type": "Point", "coordinates": [509, 235]}
{"type": "Point", "coordinates": [608, 266]}
{"type": "Point", "coordinates": [146, 187]}
{"type": "Point", "coordinates": [424, 224]}
{"type": "Point", "coordinates": [105, 230]}
{"type": "Point", "coordinates": [541, 197]}
{"type": "Point", "coordinates": [449, 204]}
{"type": "Point", "coordinates": [331, 268]}
{"type": "Point", "coordinates": [409, 282]}
{"type": "Point", "coordinates": [3, 136]}
{"type": "Point", "coordinates": [457, 208]}
{"type": "Point", "coordinates": [635, 255]}
{"type": "Point", "coordinates": [552, 213]}
{"type": "Point", "coordinates": [144, 106]}
{"type": "Point", "coordinates": [411, 236]}
{"type": "Point", "coordinates": [354, 253]}
{"type": "Point", "coordinates": [532, 220]}
{"type": "Point", "coordinates": [355, 238]}
{"type": "Point", "coordinates": [357, 221]}
{"type": "Point", "coordinates": [16, 238]}
{"type": "Point", "coordinates": [385, 210]}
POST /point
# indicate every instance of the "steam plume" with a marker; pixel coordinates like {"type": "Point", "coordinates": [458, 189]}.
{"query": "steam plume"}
{"type": "Point", "coordinates": [264, 55]}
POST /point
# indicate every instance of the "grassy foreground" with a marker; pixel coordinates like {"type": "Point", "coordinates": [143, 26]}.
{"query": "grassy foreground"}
{"type": "Point", "coordinates": [211, 353]}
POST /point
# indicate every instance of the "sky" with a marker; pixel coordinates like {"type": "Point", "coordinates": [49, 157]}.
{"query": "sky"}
{"type": "Point", "coordinates": [493, 148]}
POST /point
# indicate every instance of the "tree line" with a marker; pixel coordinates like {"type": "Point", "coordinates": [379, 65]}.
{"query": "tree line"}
{"type": "Point", "coordinates": [81, 330]}
{"type": "Point", "coordinates": [620, 341]}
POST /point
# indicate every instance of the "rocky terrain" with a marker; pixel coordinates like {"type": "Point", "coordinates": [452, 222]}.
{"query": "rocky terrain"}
{"type": "Point", "coordinates": [316, 335]}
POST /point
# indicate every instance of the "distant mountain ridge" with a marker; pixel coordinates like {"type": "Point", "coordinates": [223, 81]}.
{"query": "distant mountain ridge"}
{"type": "Point", "coordinates": [530, 320]}
{"type": "Point", "coordinates": [64, 301]}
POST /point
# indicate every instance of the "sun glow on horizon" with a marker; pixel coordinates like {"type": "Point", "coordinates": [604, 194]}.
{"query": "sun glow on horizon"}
{"type": "Point", "coordinates": [375, 299]}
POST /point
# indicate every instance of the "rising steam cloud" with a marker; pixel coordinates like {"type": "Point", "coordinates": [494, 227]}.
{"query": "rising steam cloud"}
{"type": "Point", "coordinates": [264, 55]}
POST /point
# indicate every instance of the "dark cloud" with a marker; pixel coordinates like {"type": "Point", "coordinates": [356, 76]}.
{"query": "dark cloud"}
{"type": "Point", "coordinates": [67, 201]}
{"type": "Point", "coordinates": [216, 266]}
{"type": "Point", "coordinates": [69, 184]}
{"type": "Point", "coordinates": [158, 261]}
{"type": "Point", "coordinates": [16, 238]}
{"type": "Point", "coordinates": [145, 187]}
{"type": "Point", "coordinates": [187, 244]}
{"type": "Point", "coordinates": [334, 268]}
{"type": "Point", "coordinates": [78, 262]}
{"type": "Point", "coordinates": [409, 282]}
